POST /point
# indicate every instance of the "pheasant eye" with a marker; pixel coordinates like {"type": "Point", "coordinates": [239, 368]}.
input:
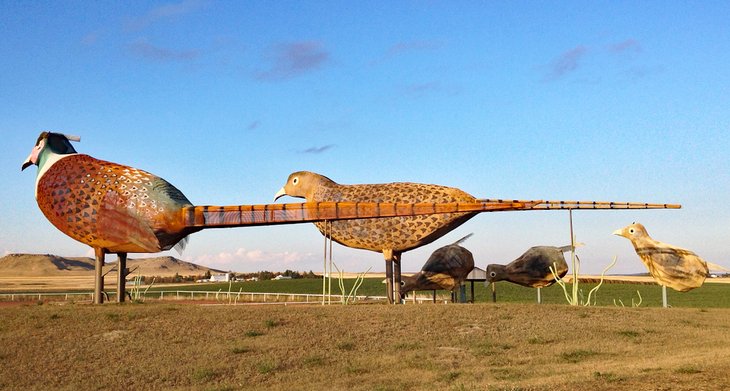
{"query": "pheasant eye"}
{"type": "Point", "coordinates": [631, 231]}
{"type": "Point", "coordinates": [493, 274]}
{"type": "Point", "coordinates": [295, 181]}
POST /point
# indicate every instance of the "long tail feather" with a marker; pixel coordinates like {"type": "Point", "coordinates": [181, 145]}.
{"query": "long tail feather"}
{"type": "Point", "coordinates": [549, 205]}
{"type": "Point", "coordinates": [271, 214]}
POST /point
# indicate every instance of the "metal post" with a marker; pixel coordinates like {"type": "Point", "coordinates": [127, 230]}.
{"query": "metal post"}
{"type": "Point", "coordinates": [121, 276]}
{"type": "Point", "coordinates": [494, 292]}
{"type": "Point", "coordinates": [98, 277]}
{"type": "Point", "coordinates": [664, 296]}
{"type": "Point", "coordinates": [539, 297]}
{"type": "Point", "coordinates": [396, 278]}
{"type": "Point", "coordinates": [324, 274]}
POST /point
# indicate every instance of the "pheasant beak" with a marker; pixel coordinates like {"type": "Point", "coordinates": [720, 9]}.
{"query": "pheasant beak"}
{"type": "Point", "coordinates": [28, 162]}
{"type": "Point", "coordinates": [280, 194]}
{"type": "Point", "coordinates": [619, 232]}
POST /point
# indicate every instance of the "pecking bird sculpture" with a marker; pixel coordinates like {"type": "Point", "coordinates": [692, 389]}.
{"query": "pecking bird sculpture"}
{"type": "Point", "coordinates": [670, 266]}
{"type": "Point", "coordinates": [393, 236]}
{"type": "Point", "coordinates": [120, 209]}
{"type": "Point", "coordinates": [446, 268]}
{"type": "Point", "coordinates": [532, 269]}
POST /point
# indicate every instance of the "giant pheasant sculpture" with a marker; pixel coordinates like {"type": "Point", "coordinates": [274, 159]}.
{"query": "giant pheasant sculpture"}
{"type": "Point", "coordinates": [393, 236]}
{"type": "Point", "coordinates": [120, 209]}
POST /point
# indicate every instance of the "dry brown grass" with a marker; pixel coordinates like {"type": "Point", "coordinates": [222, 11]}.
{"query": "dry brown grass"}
{"type": "Point", "coordinates": [362, 347]}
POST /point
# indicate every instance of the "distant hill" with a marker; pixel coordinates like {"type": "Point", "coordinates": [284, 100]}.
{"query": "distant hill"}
{"type": "Point", "coordinates": [43, 265]}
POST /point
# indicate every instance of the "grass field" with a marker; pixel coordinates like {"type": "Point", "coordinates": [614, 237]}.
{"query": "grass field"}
{"type": "Point", "coordinates": [710, 295]}
{"type": "Point", "coordinates": [504, 346]}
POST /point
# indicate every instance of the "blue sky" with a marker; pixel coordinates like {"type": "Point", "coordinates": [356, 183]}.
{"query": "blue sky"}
{"type": "Point", "coordinates": [609, 101]}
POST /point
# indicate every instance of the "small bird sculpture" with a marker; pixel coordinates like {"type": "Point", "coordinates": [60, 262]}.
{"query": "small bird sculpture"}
{"type": "Point", "coordinates": [120, 209]}
{"type": "Point", "coordinates": [446, 268]}
{"type": "Point", "coordinates": [532, 269]}
{"type": "Point", "coordinates": [391, 236]}
{"type": "Point", "coordinates": [670, 266]}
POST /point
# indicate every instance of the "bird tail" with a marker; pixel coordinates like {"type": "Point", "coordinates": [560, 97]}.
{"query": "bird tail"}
{"type": "Point", "coordinates": [568, 247]}
{"type": "Point", "coordinates": [714, 266]}
{"type": "Point", "coordinates": [560, 205]}
{"type": "Point", "coordinates": [463, 239]}
{"type": "Point", "coordinates": [199, 217]}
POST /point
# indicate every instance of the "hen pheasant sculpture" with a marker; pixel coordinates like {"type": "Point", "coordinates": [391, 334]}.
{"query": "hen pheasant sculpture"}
{"type": "Point", "coordinates": [671, 266]}
{"type": "Point", "coordinates": [393, 236]}
{"type": "Point", "coordinates": [532, 269]}
{"type": "Point", "coordinates": [446, 268]}
{"type": "Point", "coordinates": [120, 209]}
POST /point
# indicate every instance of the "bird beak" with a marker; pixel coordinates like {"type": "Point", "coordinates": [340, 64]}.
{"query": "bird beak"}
{"type": "Point", "coordinates": [618, 232]}
{"type": "Point", "coordinates": [28, 162]}
{"type": "Point", "coordinates": [279, 194]}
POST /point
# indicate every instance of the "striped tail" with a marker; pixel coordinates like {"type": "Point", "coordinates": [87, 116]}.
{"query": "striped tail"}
{"type": "Point", "coordinates": [562, 205]}
{"type": "Point", "coordinates": [273, 214]}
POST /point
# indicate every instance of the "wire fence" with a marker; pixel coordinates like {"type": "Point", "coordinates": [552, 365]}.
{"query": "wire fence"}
{"type": "Point", "coordinates": [207, 296]}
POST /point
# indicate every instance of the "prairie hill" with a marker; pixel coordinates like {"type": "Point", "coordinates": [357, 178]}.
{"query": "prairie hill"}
{"type": "Point", "coordinates": [45, 265]}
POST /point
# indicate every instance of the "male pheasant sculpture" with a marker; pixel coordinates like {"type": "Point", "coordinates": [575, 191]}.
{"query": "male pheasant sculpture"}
{"type": "Point", "coordinates": [393, 236]}
{"type": "Point", "coordinates": [120, 209]}
{"type": "Point", "coordinates": [446, 268]}
{"type": "Point", "coordinates": [671, 266]}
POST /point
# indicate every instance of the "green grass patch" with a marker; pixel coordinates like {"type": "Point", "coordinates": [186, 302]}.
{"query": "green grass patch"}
{"type": "Point", "coordinates": [629, 333]}
{"type": "Point", "coordinates": [266, 367]}
{"type": "Point", "coordinates": [608, 377]}
{"type": "Point", "coordinates": [575, 356]}
{"type": "Point", "coordinates": [253, 333]}
{"type": "Point", "coordinates": [346, 345]}
{"type": "Point", "coordinates": [202, 375]}
{"type": "Point", "coordinates": [687, 370]}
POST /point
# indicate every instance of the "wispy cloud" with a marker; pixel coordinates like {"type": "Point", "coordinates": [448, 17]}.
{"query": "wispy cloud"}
{"type": "Point", "coordinates": [317, 150]}
{"type": "Point", "coordinates": [144, 49]}
{"type": "Point", "coordinates": [288, 60]}
{"type": "Point", "coordinates": [401, 48]}
{"type": "Point", "coordinates": [566, 63]}
{"type": "Point", "coordinates": [243, 259]}
{"type": "Point", "coordinates": [164, 12]}
{"type": "Point", "coordinates": [254, 125]}
{"type": "Point", "coordinates": [626, 46]}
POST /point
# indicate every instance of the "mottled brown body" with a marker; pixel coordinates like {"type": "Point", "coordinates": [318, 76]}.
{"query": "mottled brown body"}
{"type": "Point", "coordinates": [398, 234]}
{"type": "Point", "coordinates": [671, 266]}
{"type": "Point", "coordinates": [446, 268]}
{"type": "Point", "coordinates": [112, 207]}
{"type": "Point", "coordinates": [532, 269]}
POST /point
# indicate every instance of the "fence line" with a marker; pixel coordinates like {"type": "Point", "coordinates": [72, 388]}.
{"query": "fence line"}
{"type": "Point", "coordinates": [188, 295]}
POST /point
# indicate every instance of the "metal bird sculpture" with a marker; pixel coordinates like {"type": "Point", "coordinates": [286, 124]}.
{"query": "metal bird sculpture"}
{"type": "Point", "coordinates": [393, 236]}
{"type": "Point", "coordinates": [120, 209]}
{"type": "Point", "coordinates": [532, 269]}
{"type": "Point", "coordinates": [446, 268]}
{"type": "Point", "coordinates": [670, 266]}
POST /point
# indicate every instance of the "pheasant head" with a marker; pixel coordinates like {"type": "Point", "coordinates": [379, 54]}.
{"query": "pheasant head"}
{"type": "Point", "coordinates": [634, 232]}
{"type": "Point", "coordinates": [304, 184]}
{"type": "Point", "coordinates": [48, 145]}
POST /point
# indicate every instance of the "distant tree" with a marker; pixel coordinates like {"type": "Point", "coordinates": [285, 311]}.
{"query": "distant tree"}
{"type": "Point", "coordinates": [265, 275]}
{"type": "Point", "coordinates": [207, 275]}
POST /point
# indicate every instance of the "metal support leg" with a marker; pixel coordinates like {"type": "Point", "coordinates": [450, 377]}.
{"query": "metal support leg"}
{"type": "Point", "coordinates": [98, 277]}
{"type": "Point", "coordinates": [121, 277]}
